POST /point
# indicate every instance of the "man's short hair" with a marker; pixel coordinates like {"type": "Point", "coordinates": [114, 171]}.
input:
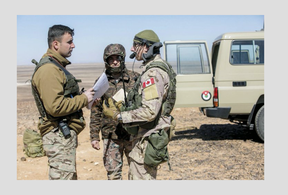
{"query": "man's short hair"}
{"type": "Point", "coordinates": [57, 31]}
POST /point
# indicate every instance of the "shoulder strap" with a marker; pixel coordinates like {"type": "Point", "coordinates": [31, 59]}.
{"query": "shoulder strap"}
{"type": "Point", "coordinates": [35, 93]}
{"type": "Point", "coordinates": [165, 67]}
{"type": "Point", "coordinates": [157, 64]}
{"type": "Point", "coordinates": [170, 100]}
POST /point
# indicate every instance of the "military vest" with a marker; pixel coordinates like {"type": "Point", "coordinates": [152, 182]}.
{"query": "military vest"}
{"type": "Point", "coordinates": [134, 98]}
{"type": "Point", "coordinates": [71, 87]}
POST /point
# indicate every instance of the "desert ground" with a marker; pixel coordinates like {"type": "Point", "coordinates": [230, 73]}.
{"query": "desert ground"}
{"type": "Point", "coordinates": [202, 149]}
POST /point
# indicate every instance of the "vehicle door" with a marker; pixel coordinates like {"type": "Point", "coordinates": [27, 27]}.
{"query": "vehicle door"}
{"type": "Point", "coordinates": [191, 62]}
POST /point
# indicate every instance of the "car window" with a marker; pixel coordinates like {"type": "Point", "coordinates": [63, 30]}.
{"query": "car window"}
{"type": "Point", "coordinates": [247, 52]}
{"type": "Point", "coordinates": [188, 58]}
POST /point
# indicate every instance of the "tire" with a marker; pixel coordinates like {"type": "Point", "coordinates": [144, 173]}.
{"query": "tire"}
{"type": "Point", "coordinates": [259, 123]}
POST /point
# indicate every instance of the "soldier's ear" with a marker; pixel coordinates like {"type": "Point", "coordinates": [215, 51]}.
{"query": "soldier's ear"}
{"type": "Point", "coordinates": [55, 45]}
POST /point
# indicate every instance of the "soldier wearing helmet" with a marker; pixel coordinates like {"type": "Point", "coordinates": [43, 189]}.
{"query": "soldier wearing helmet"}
{"type": "Point", "coordinates": [111, 52]}
{"type": "Point", "coordinates": [116, 141]}
{"type": "Point", "coordinates": [147, 115]}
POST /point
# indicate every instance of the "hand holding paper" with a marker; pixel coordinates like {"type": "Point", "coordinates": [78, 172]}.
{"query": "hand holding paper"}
{"type": "Point", "coordinates": [100, 87]}
{"type": "Point", "coordinates": [89, 94]}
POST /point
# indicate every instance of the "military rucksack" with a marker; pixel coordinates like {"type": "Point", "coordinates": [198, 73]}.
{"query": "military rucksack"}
{"type": "Point", "coordinates": [33, 145]}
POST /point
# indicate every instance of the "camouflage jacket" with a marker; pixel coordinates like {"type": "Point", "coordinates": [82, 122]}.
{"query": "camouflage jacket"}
{"type": "Point", "coordinates": [154, 89]}
{"type": "Point", "coordinates": [109, 128]}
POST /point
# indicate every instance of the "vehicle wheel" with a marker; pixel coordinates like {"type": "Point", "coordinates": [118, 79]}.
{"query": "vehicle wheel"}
{"type": "Point", "coordinates": [259, 123]}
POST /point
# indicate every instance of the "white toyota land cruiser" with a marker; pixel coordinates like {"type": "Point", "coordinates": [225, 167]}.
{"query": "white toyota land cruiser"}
{"type": "Point", "coordinates": [230, 85]}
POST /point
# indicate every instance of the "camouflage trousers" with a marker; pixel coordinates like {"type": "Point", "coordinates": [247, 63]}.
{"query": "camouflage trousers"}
{"type": "Point", "coordinates": [138, 170]}
{"type": "Point", "coordinates": [113, 152]}
{"type": "Point", "coordinates": [61, 155]}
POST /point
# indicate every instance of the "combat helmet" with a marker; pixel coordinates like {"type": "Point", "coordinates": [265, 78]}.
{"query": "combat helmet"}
{"type": "Point", "coordinates": [114, 49]}
{"type": "Point", "coordinates": [148, 37]}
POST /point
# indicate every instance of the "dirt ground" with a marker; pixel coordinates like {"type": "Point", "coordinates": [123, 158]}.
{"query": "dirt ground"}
{"type": "Point", "coordinates": [202, 149]}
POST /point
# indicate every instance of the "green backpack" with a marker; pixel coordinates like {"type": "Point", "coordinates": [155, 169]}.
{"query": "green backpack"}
{"type": "Point", "coordinates": [33, 145]}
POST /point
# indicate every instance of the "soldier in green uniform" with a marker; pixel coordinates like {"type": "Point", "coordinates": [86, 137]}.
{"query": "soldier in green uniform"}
{"type": "Point", "coordinates": [58, 99]}
{"type": "Point", "coordinates": [116, 140]}
{"type": "Point", "coordinates": [150, 103]}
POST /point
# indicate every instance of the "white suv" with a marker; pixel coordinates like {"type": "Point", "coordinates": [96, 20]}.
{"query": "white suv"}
{"type": "Point", "coordinates": [229, 84]}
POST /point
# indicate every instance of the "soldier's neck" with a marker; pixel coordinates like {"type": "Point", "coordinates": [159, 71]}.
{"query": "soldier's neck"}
{"type": "Point", "coordinates": [116, 76]}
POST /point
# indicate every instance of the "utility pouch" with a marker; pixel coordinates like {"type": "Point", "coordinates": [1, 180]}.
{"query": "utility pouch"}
{"type": "Point", "coordinates": [64, 129]}
{"type": "Point", "coordinates": [156, 150]}
{"type": "Point", "coordinates": [33, 145]}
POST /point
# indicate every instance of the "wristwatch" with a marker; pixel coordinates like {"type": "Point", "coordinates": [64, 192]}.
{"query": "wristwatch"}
{"type": "Point", "coordinates": [119, 118]}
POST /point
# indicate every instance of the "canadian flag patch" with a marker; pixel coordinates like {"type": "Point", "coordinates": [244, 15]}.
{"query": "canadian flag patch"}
{"type": "Point", "coordinates": [148, 83]}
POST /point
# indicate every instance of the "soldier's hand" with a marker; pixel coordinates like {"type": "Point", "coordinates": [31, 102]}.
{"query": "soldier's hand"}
{"type": "Point", "coordinates": [96, 102]}
{"type": "Point", "coordinates": [95, 144]}
{"type": "Point", "coordinates": [119, 105]}
{"type": "Point", "coordinates": [89, 94]}
{"type": "Point", "coordinates": [110, 112]}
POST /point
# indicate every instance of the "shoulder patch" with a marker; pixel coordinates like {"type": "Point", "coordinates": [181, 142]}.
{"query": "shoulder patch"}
{"type": "Point", "coordinates": [150, 93]}
{"type": "Point", "coordinates": [148, 83]}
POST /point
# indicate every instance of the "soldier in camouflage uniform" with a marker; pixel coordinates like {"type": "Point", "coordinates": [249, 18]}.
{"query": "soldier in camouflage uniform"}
{"type": "Point", "coordinates": [57, 98]}
{"type": "Point", "coordinates": [152, 115]}
{"type": "Point", "coordinates": [116, 141]}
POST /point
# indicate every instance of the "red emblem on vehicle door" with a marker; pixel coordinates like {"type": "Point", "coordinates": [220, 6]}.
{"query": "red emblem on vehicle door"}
{"type": "Point", "coordinates": [206, 95]}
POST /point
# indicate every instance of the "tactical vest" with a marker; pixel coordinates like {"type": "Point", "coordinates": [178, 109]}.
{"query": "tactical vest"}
{"type": "Point", "coordinates": [135, 99]}
{"type": "Point", "coordinates": [71, 87]}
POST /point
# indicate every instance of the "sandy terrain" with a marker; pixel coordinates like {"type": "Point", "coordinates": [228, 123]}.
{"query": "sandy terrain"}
{"type": "Point", "coordinates": [203, 148]}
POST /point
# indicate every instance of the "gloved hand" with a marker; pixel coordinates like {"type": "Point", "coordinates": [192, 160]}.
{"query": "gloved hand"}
{"type": "Point", "coordinates": [112, 111]}
{"type": "Point", "coordinates": [119, 105]}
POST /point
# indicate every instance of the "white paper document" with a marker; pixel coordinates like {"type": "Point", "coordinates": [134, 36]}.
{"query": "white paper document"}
{"type": "Point", "coordinates": [119, 96]}
{"type": "Point", "coordinates": [100, 87]}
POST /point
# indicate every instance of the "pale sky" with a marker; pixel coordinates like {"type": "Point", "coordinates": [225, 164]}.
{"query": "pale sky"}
{"type": "Point", "coordinates": [94, 32]}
